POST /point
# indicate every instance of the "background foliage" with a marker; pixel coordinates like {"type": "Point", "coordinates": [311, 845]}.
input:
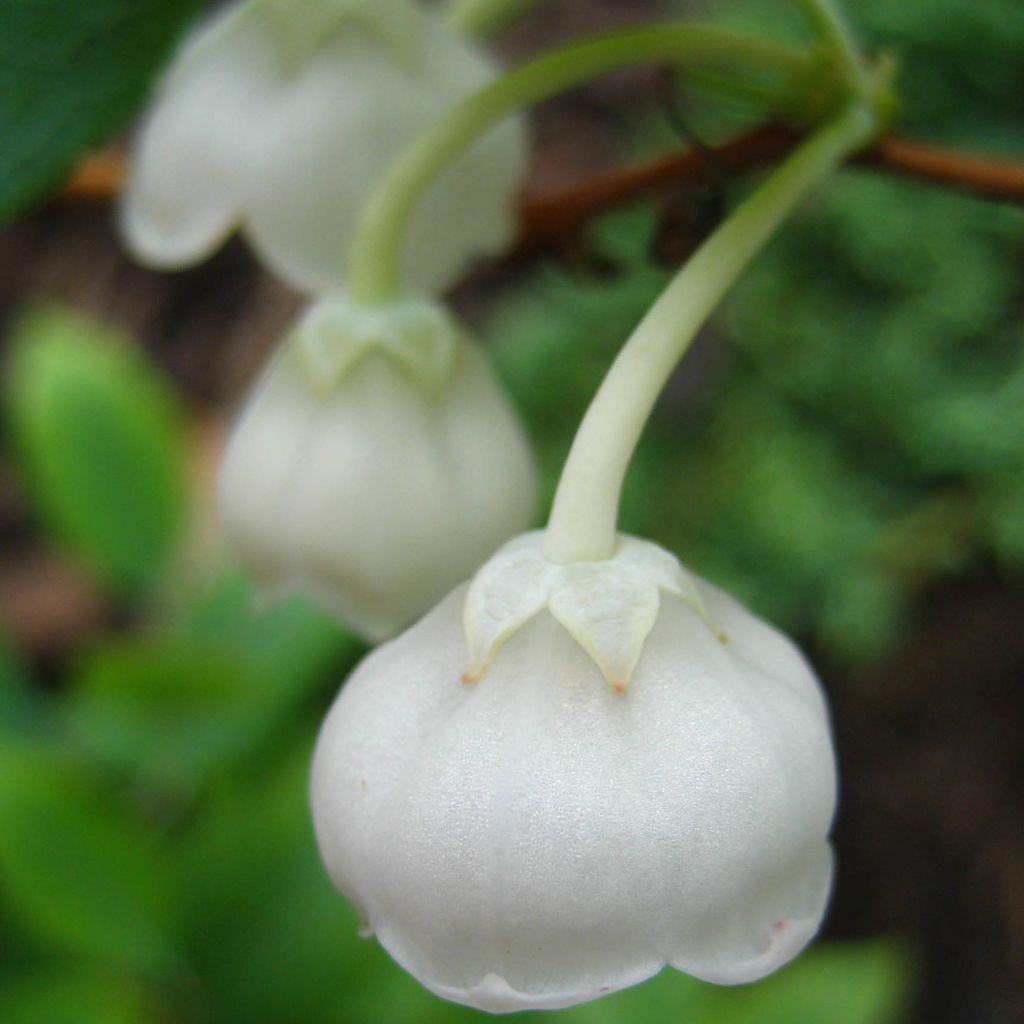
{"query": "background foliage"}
{"type": "Point", "coordinates": [70, 73]}
{"type": "Point", "coordinates": [846, 434]}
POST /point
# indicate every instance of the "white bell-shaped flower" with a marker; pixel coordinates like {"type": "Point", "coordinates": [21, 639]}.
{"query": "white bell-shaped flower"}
{"type": "Point", "coordinates": [376, 465]}
{"type": "Point", "coordinates": [519, 834]}
{"type": "Point", "coordinates": [280, 117]}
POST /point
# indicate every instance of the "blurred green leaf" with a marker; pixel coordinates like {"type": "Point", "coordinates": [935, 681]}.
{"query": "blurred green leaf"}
{"type": "Point", "coordinates": [73, 997]}
{"type": "Point", "coordinates": [167, 711]}
{"type": "Point", "coordinates": [942, 84]}
{"type": "Point", "coordinates": [1002, 508]}
{"type": "Point", "coordinates": [101, 444]}
{"type": "Point", "coordinates": [221, 684]}
{"type": "Point", "coordinates": [289, 649]}
{"type": "Point", "coordinates": [74, 868]}
{"type": "Point", "coordinates": [20, 707]}
{"type": "Point", "coordinates": [273, 943]}
{"type": "Point", "coordinates": [70, 75]}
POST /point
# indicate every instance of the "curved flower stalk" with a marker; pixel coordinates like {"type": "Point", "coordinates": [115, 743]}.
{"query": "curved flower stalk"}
{"type": "Point", "coordinates": [539, 838]}
{"type": "Point", "coordinates": [376, 464]}
{"type": "Point", "coordinates": [279, 117]}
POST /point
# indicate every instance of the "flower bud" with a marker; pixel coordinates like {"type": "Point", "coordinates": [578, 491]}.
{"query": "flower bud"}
{"type": "Point", "coordinates": [280, 117]}
{"type": "Point", "coordinates": [377, 464]}
{"type": "Point", "coordinates": [537, 838]}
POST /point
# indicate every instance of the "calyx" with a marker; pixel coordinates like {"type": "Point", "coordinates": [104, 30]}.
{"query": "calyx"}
{"type": "Point", "coordinates": [335, 334]}
{"type": "Point", "coordinates": [608, 607]}
{"type": "Point", "coordinates": [305, 24]}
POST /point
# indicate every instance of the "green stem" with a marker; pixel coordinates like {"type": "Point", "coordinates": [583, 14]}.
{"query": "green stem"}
{"type": "Point", "coordinates": [481, 19]}
{"type": "Point", "coordinates": [747, 90]}
{"type": "Point", "coordinates": [582, 526]}
{"type": "Point", "coordinates": [833, 30]}
{"type": "Point", "coordinates": [376, 253]}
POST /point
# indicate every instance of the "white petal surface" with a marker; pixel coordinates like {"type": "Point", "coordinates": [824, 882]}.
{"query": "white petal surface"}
{"type": "Point", "coordinates": [264, 456]}
{"type": "Point", "coordinates": [337, 126]}
{"type": "Point", "coordinates": [282, 119]}
{"type": "Point", "coordinates": [378, 496]}
{"type": "Point", "coordinates": [537, 840]}
{"type": "Point", "coordinates": [192, 164]}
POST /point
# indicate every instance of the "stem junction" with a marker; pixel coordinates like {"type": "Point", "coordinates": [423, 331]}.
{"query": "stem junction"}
{"type": "Point", "coordinates": [582, 526]}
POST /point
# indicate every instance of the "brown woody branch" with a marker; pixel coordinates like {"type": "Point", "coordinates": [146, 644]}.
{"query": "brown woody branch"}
{"type": "Point", "coordinates": [984, 176]}
{"type": "Point", "coordinates": [548, 221]}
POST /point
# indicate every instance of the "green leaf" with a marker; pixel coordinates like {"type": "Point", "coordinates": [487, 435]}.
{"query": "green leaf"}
{"type": "Point", "coordinates": [212, 693]}
{"type": "Point", "coordinates": [164, 710]}
{"type": "Point", "coordinates": [20, 707]}
{"type": "Point", "coordinates": [101, 444]}
{"type": "Point", "coordinates": [71, 74]}
{"type": "Point", "coordinates": [273, 943]}
{"type": "Point", "coordinates": [290, 649]}
{"type": "Point", "coordinates": [73, 997]}
{"type": "Point", "coordinates": [1002, 510]}
{"type": "Point", "coordinates": [74, 869]}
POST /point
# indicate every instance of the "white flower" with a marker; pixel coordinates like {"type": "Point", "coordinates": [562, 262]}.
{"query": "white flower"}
{"type": "Point", "coordinates": [377, 464]}
{"type": "Point", "coordinates": [280, 116]}
{"type": "Point", "coordinates": [538, 838]}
